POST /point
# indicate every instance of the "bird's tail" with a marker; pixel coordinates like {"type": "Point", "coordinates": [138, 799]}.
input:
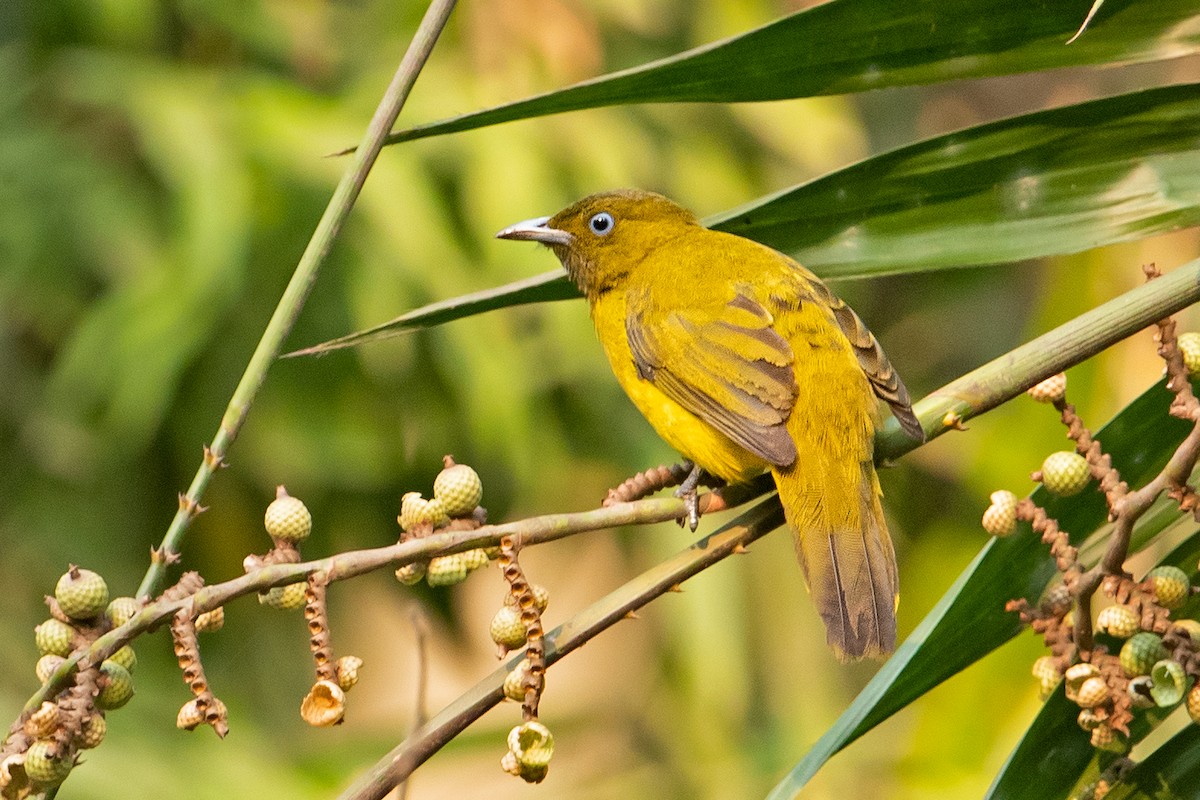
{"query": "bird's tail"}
{"type": "Point", "coordinates": [835, 513]}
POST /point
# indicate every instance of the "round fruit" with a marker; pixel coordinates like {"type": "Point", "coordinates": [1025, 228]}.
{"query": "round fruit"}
{"type": "Point", "coordinates": [116, 686]}
{"type": "Point", "coordinates": [1000, 519]}
{"type": "Point", "coordinates": [1050, 390]}
{"type": "Point", "coordinates": [54, 637]}
{"type": "Point", "coordinates": [125, 657]}
{"type": "Point", "coordinates": [81, 593]}
{"type": "Point", "coordinates": [459, 488]}
{"type": "Point", "coordinates": [1189, 346]}
{"type": "Point", "coordinates": [92, 733]}
{"type": "Point", "coordinates": [284, 598]}
{"type": "Point", "coordinates": [411, 574]}
{"type": "Point", "coordinates": [416, 510]}
{"type": "Point", "coordinates": [1118, 621]}
{"type": "Point", "coordinates": [45, 765]}
{"type": "Point", "coordinates": [1065, 473]}
{"type": "Point", "coordinates": [506, 629]}
{"type": "Point", "coordinates": [121, 610]}
{"type": "Point", "coordinates": [287, 518]}
{"type": "Point", "coordinates": [1171, 586]}
{"type": "Point", "coordinates": [1141, 652]}
{"type": "Point", "coordinates": [446, 570]}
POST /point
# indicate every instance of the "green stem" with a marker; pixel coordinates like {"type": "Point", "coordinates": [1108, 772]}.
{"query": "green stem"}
{"type": "Point", "coordinates": [292, 301]}
{"type": "Point", "coordinates": [1067, 345]}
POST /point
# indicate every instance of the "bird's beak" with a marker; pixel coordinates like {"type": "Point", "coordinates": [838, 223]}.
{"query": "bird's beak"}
{"type": "Point", "coordinates": [535, 230]}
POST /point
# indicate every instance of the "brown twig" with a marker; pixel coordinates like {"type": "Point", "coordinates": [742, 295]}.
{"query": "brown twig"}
{"type": "Point", "coordinates": [531, 617]}
{"type": "Point", "coordinates": [190, 592]}
{"type": "Point", "coordinates": [654, 480]}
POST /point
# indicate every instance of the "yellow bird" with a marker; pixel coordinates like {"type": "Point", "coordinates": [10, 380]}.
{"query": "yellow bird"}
{"type": "Point", "coordinates": [744, 361]}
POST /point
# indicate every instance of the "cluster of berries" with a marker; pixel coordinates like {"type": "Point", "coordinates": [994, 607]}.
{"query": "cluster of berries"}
{"type": "Point", "coordinates": [457, 492]}
{"type": "Point", "coordinates": [1155, 663]}
{"type": "Point", "coordinates": [54, 734]}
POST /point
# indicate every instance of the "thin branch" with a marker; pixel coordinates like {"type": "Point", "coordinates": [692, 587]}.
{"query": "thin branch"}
{"type": "Point", "coordinates": [420, 623]}
{"type": "Point", "coordinates": [601, 615]}
{"type": "Point", "coordinates": [1067, 345]}
{"type": "Point", "coordinates": [350, 564]}
{"type": "Point", "coordinates": [292, 301]}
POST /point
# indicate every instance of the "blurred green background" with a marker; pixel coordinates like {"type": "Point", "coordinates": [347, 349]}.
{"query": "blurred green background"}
{"type": "Point", "coordinates": [161, 168]}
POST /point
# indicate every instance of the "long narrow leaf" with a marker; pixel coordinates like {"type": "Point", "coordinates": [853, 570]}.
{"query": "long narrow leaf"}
{"type": "Point", "coordinates": [1171, 771]}
{"type": "Point", "coordinates": [1047, 183]}
{"type": "Point", "coordinates": [857, 45]}
{"type": "Point", "coordinates": [1043, 184]}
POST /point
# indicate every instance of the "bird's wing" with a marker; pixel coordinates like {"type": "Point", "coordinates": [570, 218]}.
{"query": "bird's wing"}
{"type": "Point", "coordinates": [874, 362]}
{"type": "Point", "coordinates": [725, 364]}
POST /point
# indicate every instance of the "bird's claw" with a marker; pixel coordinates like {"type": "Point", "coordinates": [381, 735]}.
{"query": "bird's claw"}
{"type": "Point", "coordinates": [687, 491]}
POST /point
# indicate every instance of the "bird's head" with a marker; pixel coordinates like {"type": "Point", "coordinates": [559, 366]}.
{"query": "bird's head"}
{"type": "Point", "coordinates": [603, 237]}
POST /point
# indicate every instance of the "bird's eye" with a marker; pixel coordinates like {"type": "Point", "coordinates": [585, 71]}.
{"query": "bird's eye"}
{"type": "Point", "coordinates": [601, 224]}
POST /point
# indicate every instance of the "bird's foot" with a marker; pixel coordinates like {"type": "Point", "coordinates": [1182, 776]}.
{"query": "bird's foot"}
{"type": "Point", "coordinates": [688, 492]}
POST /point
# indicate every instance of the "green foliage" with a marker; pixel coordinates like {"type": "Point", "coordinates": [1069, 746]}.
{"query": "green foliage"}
{"type": "Point", "coordinates": [162, 170]}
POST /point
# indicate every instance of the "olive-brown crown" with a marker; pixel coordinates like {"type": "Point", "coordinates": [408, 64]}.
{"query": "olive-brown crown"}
{"type": "Point", "coordinates": [611, 232]}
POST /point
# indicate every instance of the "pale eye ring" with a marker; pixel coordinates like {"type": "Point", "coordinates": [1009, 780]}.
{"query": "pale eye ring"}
{"type": "Point", "coordinates": [601, 224]}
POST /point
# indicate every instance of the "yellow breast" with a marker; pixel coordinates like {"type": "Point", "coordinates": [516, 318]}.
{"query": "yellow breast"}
{"type": "Point", "coordinates": [680, 428]}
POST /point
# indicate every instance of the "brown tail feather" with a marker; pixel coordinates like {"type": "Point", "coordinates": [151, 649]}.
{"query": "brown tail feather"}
{"type": "Point", "coordinates": [847, 555]}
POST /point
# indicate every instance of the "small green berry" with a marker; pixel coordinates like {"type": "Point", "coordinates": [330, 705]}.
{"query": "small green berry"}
{"type": "Point", "coordinates": [116, 686]}
{"type": "Point", "coordinates": [1050, 390]}
{"type": "Point", "coordinates": [45, 765]}
{"type": "Point", "coordinates": [211, 621]}
{"type": "Point", "coordinates": [1171, 586]}
{"type": "Point", "coordinates": [411, 574]}
{"type": "Point", "coordinates": [54, 637]}
{"type": "Point", "coordinates": [475, 559]}
{"type": "Point", "coordinates": [284, 598]}
{"type": "Point", "coordinates": [347, 672]}
{"type": "Point", "coordinates": [459, 488]}
{"type": "Point", "coordinates": [287, 518]}
{"type": "Point", "coordinates": [1076, 676]}
{"type": "Point", "coordinates": [1000, 519]}
{"type": "Point", "coordinates": [1092, 692]}
{"type": "Point", "coordinates": [446, 570]}
{"type": "Point", "coordinates": [47, 665]}
{"type": "Point", "coordinates": [125, 657]}
{"type": "Point", "coordinates": [44, 721]}
{"type": "Point", "coordinates": [1045, 671]}
{"type": "Point", "coordinates": [81, 593]}
{"type": "Point", "coordinates": [121, 610]}
{"type": "Point", "coordinates": [92, 733]}
{"type": "Point", "coordinates": [514, 681]}
{"type": "Point", "coordinates": [507, 629]}
{"type": "Point", "coordinates": [1119, 621]}
{"type": "Point", "coordinates": [1189, 346]}
{"type": "Point", "coordinates": [1065, 473]}
{"type": "Point", "coordinates": [416, 510]}
{"type": "Point", "coordinates": [1141, 652]}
